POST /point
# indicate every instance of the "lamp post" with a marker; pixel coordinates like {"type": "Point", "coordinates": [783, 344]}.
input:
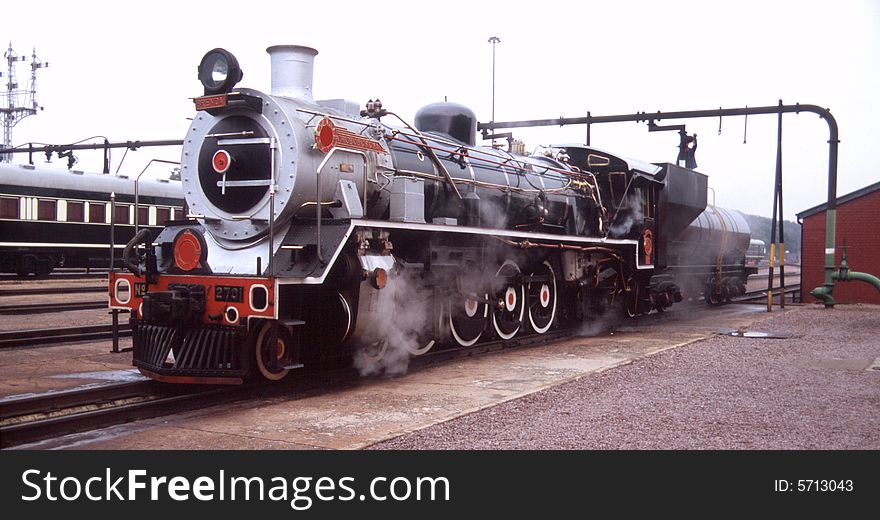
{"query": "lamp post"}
{"type": "Point", "coordinates": [493, 40]}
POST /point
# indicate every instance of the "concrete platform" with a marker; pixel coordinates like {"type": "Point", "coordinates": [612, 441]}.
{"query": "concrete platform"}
{"type": "Point", "coordinates": [375, 409]}
{"type": "Point", "coordinates": [32, 370]}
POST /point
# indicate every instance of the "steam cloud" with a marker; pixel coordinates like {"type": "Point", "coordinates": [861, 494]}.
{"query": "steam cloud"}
{"type": "Point", "coordinates": [395, 326]}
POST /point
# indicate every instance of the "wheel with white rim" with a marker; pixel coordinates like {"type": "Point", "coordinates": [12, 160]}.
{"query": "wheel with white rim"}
{"type": "Point", "coordinates": [269, 357]}
{"type": "Point", "coordinates": [423, 349]}
{"type": "Point", "coordinates": [467, 318]}
{"type": "Point", "coordinates": [373, 352]}
{"type": "Point", "coordinates": [507, 318]}
{"type": "Point", "coordinates": [542, 298]}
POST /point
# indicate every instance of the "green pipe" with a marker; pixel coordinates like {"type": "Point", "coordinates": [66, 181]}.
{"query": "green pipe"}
{"type": "Point", "coordinates": [824, 293]}
{"type": "Point", "coordinates": [845, 275]}
{"type": "Point", "coordinates": [862, 277]}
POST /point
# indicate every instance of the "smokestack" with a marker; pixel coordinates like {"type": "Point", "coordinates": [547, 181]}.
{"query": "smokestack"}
{"type": "Point", "coordinates": [292, 68]}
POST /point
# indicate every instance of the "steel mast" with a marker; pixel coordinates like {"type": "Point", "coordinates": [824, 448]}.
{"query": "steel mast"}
{"type": "Point", "coordinates": [15, 108]}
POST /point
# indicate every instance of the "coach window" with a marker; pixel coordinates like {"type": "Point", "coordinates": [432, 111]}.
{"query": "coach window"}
{"type": "Point", "coordinates": [143, 216]}
{"type": "Point", "coordinates": [75, 211]}
{"type": "Point", "coordinates": [97, 212]}
{"type": "Point", "coordinates": [9, 207]}
{"type": "Point", "coordinates": [47, 210]}
{"type": "Point", "coordinates": [163, 215]}
{"type": "Point", "coordinates": [122, 214]}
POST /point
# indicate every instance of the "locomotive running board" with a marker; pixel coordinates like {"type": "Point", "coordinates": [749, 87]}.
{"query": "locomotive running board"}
{"type": "Point", "coordinates": [336, 235]}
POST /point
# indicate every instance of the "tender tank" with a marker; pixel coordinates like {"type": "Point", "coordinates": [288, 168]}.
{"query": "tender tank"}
{"type": "Point", "coordinates": [716, 232]}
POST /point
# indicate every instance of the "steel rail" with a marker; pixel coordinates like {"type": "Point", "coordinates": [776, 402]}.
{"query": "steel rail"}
{"type": "Point", "coordinates": [93, 419]}
{"type": "Point", "coordinates": [31, 404]}
{"type": "Point", "coordinates": [21, 338]}
{"type": "Point", "coordinates": [37, 291]}
{"type": "Point", "coordinates": [40, 308]}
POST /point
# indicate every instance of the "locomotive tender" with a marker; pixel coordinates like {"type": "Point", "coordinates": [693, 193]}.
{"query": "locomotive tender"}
{"type": "Point", "coordinates": [319, 231]}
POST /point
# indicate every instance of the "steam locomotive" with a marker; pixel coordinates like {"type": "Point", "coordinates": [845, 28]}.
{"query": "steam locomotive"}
{"type": "Point", "coordinates": [319, 231]}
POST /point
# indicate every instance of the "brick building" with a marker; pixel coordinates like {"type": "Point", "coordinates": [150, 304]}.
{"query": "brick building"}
{"type": "Point", "coordinates": [858, 224]}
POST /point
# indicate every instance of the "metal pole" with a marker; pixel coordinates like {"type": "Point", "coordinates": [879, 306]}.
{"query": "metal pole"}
{"type": "Point", "coordinates": [115, 329]}
{"type": "Point", "coordinates": [112, 229]}
{"type": "Point", "coordinates": [493, 40]}
{"type": "Point", "coordinates": [273, 146]}
{"type": "Point", "coordinates": [137, 201]}
{"type": "Point", "coordinates": [781, 214]}
{"type": "Point", "coordinates": [588, 128]}
{"type": "Point", "coordinates": [773, 221]}
{"type": "Point", "coordinates": [114, 312]}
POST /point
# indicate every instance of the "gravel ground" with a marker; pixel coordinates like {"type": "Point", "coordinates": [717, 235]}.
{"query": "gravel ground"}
{"type": "Point", "coordinates": [815, 390]}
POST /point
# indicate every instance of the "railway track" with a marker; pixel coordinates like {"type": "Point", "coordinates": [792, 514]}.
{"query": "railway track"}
{"type": "Point", "coordinates": [32, 418]}
{"type": "Point", "coordinates": [39, 308]}
{"type": "Point", "coordinates": [39, 291]}
{"type": "Point", "coordinates": [22, 338]}
{"type": "Point", "coordinates": [29, 419]}
{"type": "Point", "coordinates": [761, 295]}
{"type": "Point", "coordinates": [52, 276]}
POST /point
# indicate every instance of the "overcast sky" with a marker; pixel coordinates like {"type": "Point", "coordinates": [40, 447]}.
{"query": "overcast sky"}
{"type": "Point", "coordinates": [127, 70]}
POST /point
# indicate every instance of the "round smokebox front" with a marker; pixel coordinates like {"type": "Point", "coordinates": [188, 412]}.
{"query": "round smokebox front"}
{"type": "Point", "coordinates": [234, 176]}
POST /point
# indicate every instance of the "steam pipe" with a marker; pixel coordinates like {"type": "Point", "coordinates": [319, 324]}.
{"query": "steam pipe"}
{"type": "Point", "coordinates": [823, 293]}
{"type": "Point", "coordinates": [57, 148]}
{"type": "Point", "coordinates": [129, 260]}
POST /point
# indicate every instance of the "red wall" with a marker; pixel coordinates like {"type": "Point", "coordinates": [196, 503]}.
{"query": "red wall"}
{"type": "Point", "coordinates": [858, 223]}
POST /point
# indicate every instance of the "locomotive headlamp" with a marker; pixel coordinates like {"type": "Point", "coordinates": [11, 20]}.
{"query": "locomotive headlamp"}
{"type": "Point", "coordinates": [219, 71]}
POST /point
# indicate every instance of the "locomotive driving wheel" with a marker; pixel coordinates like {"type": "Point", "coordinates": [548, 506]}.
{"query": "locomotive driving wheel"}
{"type": "Point", "coordinates": [422, 348]}
{"type": "Point", "coordinates": [542, 298]}
{"type": "Point", "coordinates": [631, 300]}
{"type": "Point", "coordinates": [270, 358]}
{"type": "Point", "coordinates": [467, 318]}
{"type": "Point", "coordinates": [373, 352]}
{"type": "Point", "coordinates": [508, 315]}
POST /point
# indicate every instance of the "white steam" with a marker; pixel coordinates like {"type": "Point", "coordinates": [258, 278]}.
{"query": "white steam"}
{"type": "Point", "coordinates": [600, 324]}
{"type": "Point", "coordinates": [395, 321]}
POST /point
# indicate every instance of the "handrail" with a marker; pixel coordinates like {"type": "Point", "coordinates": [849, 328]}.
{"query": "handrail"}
{"type": "Point", "coordinates": [318, 193]}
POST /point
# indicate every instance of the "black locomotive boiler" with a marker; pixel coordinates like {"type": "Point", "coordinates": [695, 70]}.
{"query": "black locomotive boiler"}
{"type": "Point", "coordinates": [318, 230]}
